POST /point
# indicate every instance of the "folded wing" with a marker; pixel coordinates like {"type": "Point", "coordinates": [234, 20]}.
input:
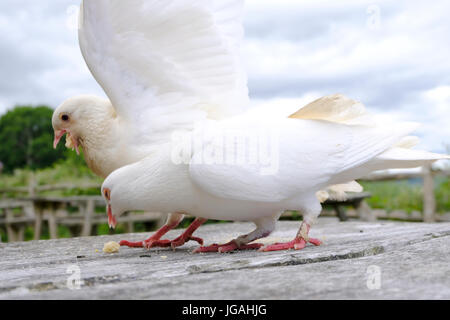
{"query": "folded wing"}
{"type": "Point", "coordinates": [306, 155]}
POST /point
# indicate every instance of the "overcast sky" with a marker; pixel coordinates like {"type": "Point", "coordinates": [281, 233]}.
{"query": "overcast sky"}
{"type": "Point", "coordinates": [394, 56]}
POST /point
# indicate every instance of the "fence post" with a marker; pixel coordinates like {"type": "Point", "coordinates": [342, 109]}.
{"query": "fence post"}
{"type": "Point", "coordinates": [31, 185]}
{"type": "Point", "coordinates": [429, 200]}
{"type": "Point", "coordinates": [88, 209]}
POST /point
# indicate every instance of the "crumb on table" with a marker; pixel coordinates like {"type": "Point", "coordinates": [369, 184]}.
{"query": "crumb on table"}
{"type": "Point", "coordinates": [111, 247]}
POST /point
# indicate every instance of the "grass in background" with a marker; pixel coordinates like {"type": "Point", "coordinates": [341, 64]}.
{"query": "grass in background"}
{"type": "Point", "coordinates": [70, 170]}
{"type": "Point", "coordinates": [442, 193]}
{"type": "Point", "coordinates": [406, 195]}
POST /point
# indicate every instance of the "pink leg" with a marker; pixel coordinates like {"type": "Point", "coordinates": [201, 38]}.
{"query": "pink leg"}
{"type": "Point", "coordinates": [298, 243]}
{"type": "Point", "coordinates": [155, 239]}
{"type": "Point", "coordinates": [187, 234]}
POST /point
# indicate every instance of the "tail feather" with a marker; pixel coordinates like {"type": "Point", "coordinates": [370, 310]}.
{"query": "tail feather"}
{"type": "Point", "coordinates": [397, 158]}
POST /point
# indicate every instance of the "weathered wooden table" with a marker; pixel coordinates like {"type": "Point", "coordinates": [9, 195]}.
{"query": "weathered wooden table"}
{"type": "Point", "coordinates": [358, 260]}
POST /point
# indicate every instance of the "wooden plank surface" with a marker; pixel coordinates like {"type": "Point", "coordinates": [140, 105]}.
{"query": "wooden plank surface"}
{"type": "Point", "coordinates": [412, 259]}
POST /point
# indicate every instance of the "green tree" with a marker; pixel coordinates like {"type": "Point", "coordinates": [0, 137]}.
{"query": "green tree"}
{"type": "Point", "coordinates": [26, 137]}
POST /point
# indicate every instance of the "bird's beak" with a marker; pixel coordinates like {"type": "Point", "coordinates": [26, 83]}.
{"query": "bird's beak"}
{"type": "Point", "coordinates": [73, 144]}
{"type": "Point", "coordinates": [111, 218]}
{"type": "Point", "coordinates": [58, 135]}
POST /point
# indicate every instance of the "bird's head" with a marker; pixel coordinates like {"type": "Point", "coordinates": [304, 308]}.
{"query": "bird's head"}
{"type": "Point", "coordinates": [115, 199]}
{"type": "Point", "coordinates": [112, 217]}
{"type": "Point", "coordinates": [127, 189]}
{"type": "Point", "coordinates": [74, 116]}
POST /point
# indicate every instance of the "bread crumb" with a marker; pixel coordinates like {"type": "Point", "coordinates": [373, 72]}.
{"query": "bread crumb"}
{"type": "Point", "coordinates": [69, 142]}
{"type": "Point", "coordinates": [111, 247]}
{"type": "Point", "coordinates": [163, 257]}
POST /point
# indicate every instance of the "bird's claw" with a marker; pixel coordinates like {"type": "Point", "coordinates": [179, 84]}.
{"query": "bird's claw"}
{"type": "Point", "coordinates": [156, 243]}
{"type": "Point", "coordinates": [228, 247]}
{"type": "Point", "coordinates": [296, 244]}
{"type": "Point", "coordinates": [178, 242]}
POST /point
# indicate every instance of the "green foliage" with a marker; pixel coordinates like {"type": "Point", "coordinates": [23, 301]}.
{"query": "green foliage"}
{"type": "Point", "coordinates": [407, 196]}
{"type": "Point", "coordinates": [73, 170]}
{"type": "Point", "coordinates": [70, 170]}
{"type": "Point", "coordinates": [26, 137]}
{"type": "Point", "coordinates": [443, 195]}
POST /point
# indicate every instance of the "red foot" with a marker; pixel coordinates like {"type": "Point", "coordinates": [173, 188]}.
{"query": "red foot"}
{"type": "Point", "coordinates": [155, 240]}
{"type": "Point", "coordinates": [296, 244]}
{"type": "Point", "coordinates": [152, 243]}
{"type": "Point", "coordinates": [228, 247]}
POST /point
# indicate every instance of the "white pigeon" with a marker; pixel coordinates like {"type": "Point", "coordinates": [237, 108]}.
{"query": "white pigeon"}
{"type": "Point", "coordinates": [227, 175]}
{"type": "Point", "coordinates": [163, 65]}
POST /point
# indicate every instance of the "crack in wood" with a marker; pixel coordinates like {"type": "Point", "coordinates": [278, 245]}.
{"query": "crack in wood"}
{"type": "Point", "coordinates": [352, 255]}
{"type": "Point", "coordinates": [296, 261]}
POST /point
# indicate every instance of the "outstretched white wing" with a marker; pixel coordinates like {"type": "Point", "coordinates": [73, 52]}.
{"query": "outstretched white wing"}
{"type": "Point", "coordinates": [166, 63]}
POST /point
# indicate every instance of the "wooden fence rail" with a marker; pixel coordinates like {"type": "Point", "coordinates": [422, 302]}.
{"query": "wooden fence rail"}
{"type": "Point", "coordinates": [33, 190]}
{"type": "Point", "coordinates": [79, 214]}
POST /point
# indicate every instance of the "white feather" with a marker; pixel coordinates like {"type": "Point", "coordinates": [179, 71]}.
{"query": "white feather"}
{"type": "Point", "coordinates": [335, 108]}
{"type": "Point", "coordinates": [166, 64]}
{"type": "Point", "coordinates": [339, 191]}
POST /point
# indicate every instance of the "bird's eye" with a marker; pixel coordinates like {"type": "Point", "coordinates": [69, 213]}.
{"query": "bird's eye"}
{"type": "Point", "coordinates": [65, 117]}
{"type": "Point", "coordinates": [107, 193]}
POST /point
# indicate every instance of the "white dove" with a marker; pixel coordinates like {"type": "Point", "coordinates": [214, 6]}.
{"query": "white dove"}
{"type": "Point", "coordinates": [163, 65]}
{"type": "Point", "coordinates": [220, 179]}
